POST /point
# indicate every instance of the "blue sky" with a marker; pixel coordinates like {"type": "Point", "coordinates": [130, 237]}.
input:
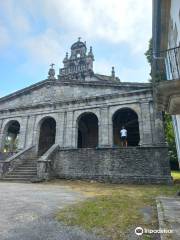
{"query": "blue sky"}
{"type": "Point", "coordinates": [35, 33]}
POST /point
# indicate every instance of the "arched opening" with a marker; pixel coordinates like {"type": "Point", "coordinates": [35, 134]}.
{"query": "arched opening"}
{"type": "Point", "coordinates": [47, 135]}
{"type": "Point", "coordinates": [12, 136]}
{"type": "Point", "coordinates": [129, 119]}
{"type": "Point", "coordinates": [87, 131]}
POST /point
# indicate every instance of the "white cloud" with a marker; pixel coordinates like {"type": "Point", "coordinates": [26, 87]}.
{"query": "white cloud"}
{"type": "Point", "coordinates": [109, 20]}
{"type": "Point", "coordinates": [114, 21]}
{"type": "Point", "coordinates": [5, 38]}
{"type": "Point", "coordinates": [44, 48]}
{"type": "Point", "coordinates": [126, 74]}
{"type": "Point", "coordinates": [16, 16]}
{"type": "Point", "coordinates": [134, 74]}
{"type": "Point", "coordinates": [104, 67]}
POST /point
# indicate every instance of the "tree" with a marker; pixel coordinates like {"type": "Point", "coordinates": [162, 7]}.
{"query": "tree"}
{"type": "Point", "coordinates": [159, 74]}
{"type": "Point", "coordinates": [149, 53]}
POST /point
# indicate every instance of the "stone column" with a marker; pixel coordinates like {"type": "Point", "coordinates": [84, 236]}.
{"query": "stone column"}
{"type": "Point", "coordinates": [105, 129]}
{"type": "Point", "coordinates": [60, 124]}
{"type": "Point", "coordinates": [30, 131]}
{"type": "Point", "coordinates": [69, 141]}
{"type": "Point", "coordinates": [159, 137]}
{"type": "Point", "coordinates": [140, 131]}
{"type": "Point", "coordinates": [145, 125]}
{"type": "Point", "coordinates": [1, 135]}
{"type": "Point", "coordinates": [23, 132]}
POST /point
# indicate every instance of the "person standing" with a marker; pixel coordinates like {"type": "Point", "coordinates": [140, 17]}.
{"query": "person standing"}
{"type": "Point", "coordinates": [123, 135]}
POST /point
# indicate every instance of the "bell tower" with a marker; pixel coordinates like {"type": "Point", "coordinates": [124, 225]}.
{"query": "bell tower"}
{"type": "Point", "coordinates": [79, 64]}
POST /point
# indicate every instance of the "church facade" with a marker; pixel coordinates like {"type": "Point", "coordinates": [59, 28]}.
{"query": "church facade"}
{"type": "Point", "coordinates": [68, 127]}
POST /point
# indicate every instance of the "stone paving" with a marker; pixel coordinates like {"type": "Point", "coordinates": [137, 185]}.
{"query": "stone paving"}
{"type": "Point", "coordinates": [27, 212]}
{"type": "Point", "coordinates": [169, 216]}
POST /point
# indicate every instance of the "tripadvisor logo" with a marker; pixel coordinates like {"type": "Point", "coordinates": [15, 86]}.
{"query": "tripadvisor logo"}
{"type": "Point", "coordinates": [139, 231]}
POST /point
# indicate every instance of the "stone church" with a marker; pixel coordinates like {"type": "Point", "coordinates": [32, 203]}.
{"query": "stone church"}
{"type": "Point", "coordinates": [69, 127]}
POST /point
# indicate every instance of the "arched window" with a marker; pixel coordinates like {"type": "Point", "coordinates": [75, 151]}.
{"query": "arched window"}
{"type": "Point", "coordinates": [129, 119]}
{"type": "Point", "coordinates": [87, 131]}
{"type": "Point", "coordinates": [11, 136]}
{"type": "Point", "coordinates": [47, 134]}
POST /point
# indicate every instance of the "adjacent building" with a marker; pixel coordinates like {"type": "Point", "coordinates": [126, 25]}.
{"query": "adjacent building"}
{"type": "Point", "coordinates": [166, 60]}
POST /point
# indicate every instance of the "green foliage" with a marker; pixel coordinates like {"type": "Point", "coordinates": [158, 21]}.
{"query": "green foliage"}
{"type": "Point", "coordinates": [170, 138]}
{"type": "Point", "coordinates": [159, 75]}
{"type": "Point", "coordinates": [149, 52]}
{"type": "Point", "coordinates": [149, 56]}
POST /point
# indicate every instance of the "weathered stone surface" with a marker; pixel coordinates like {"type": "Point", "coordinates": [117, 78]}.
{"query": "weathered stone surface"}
{"type": "Point", "coordinates": [123, 165]}
{"type": "Point", "coordinates": [71, 96]}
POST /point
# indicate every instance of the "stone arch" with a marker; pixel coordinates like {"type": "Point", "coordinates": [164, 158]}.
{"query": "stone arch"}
{"type": "Point", "coordinates": [47, 134]}
{"type": "Point", "coordinates": [87, 130]}
{"type": "Point", "coordinates": [11, 133]}
{"type": "Point", "coordinates": [129, 119]}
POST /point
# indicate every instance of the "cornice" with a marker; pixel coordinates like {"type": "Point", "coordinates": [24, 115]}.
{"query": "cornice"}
{"type": "Point", "coordinates": [75, 83]}
{"type": "Point", "coordinates": [79, 100]}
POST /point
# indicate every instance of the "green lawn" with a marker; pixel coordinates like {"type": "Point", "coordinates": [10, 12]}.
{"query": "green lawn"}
{"type": "Point", "coordinates": [176, 176]}
{"type": "Point", "coordinates": [111, 210]}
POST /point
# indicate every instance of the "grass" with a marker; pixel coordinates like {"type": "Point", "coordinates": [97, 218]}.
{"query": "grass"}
{"type": "Point", "coordinates": [176, 176]}
{"type": "Point", "coordinates": [111, 210]}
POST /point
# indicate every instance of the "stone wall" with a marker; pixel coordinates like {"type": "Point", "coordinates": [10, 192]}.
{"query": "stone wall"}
{"type": "Point", "coordinates": [116, 165]}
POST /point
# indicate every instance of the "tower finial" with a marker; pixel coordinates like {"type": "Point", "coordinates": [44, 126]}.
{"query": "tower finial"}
{"type": "Point", "coordinates": [79, 39]}
{"type": "Point", "coordinates": [52, 65]}
{"type": "Point", "coordinates": [113, 72]}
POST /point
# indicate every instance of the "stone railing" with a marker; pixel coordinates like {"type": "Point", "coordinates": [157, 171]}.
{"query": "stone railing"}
{"type": "Point", "coordinates": [12, 162]}
{"type": "Point", "coordinates": [5, 155]}
{"type": "Point", "coordinates": [45, 163]}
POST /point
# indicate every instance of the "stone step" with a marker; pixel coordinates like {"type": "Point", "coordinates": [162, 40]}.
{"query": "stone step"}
{"type": "Point", "coordinates": [25, 171]}
{"type": "Point", "coordinates": [26, 167]}
{"type": "Point", "coordinates": [28, 161]}
{"type": "Point", "coordinates": [15, 179]}
{"type": "Point", "coordinates": [29, 165]}
{"type": "Point", "coordinates": [20, 176]}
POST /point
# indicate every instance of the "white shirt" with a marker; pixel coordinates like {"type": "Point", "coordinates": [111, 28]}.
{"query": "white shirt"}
{"type": "Point", "coordinates": [123, 133]}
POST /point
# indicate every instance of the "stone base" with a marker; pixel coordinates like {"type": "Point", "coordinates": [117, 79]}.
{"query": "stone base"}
{"type": "Point", "coordinates": [140, 165]}
{"type": "Point", "coordinates": [121, 179]}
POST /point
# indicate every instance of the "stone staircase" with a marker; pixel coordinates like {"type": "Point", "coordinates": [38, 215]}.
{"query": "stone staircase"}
{"type": "Point", "coordinates": [25, 172]}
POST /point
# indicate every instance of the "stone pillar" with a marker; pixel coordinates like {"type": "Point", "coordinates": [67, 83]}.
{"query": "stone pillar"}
{"type": "Point", "coordinates": [60, 124]}
{"type": "Point", "coordinates": [140, 131]}
{"type": "Point", "coordinates": [145, 125]}
{"type": "Point", "coordinates": [159, 137]}
{"type": "Point", "coordinates": [1, 135]}
{"type": "Point", "coordinates": [23, 132]}
{"type": "Point", "coordinates": [105, 129]}
{"type": "Point", "coordinates": [69, 141]}
{"type": "Point", "coordinates": [30, 131]}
